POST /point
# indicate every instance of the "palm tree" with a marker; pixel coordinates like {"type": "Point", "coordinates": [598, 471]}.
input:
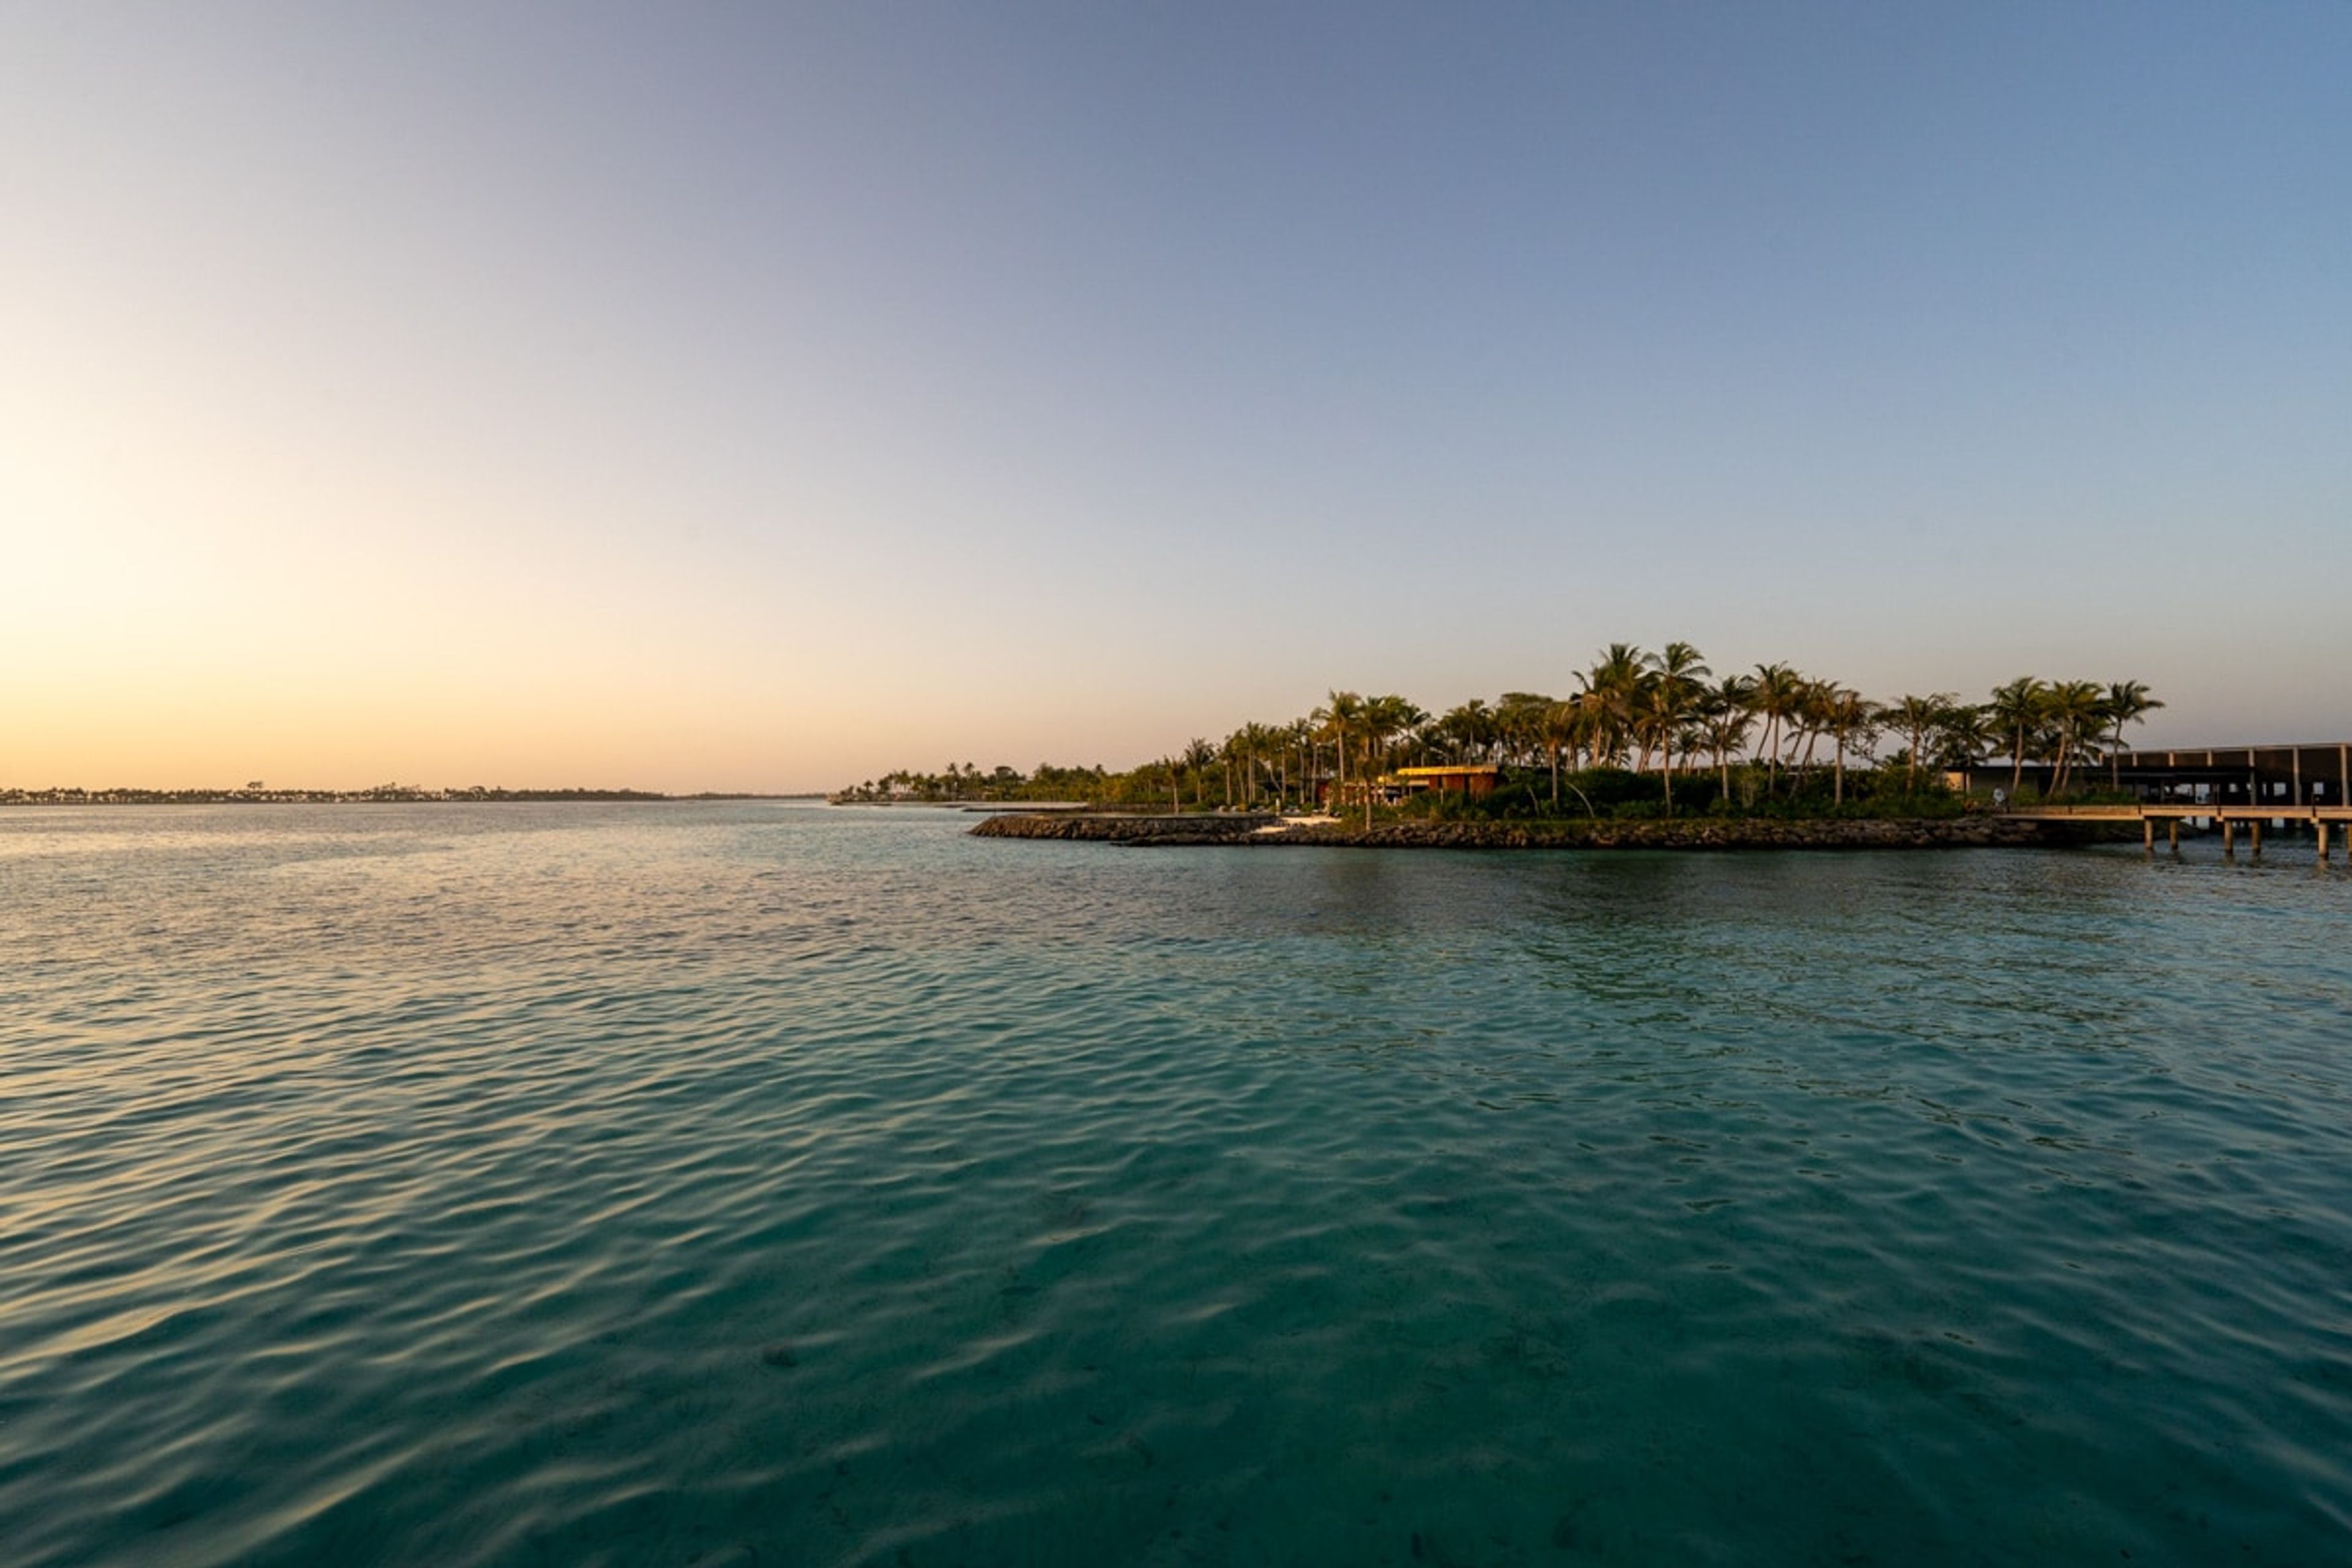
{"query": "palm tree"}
{"type": "Point", "coordinates": [1518, 724]}
{"type": "Point", "coordinates": [1471, 728]}
{"type": "Point", "coordinates": [1672, 702]}
{"type": "Point", "coordinates": [1852, 720]}
{"type": "Point", "coordinates": [1380, 718]}
{"type": "Point", "coordinates": [1240, 754]}
{"type": "Point", "coordinates": [1621, 664]}
{"type": "Point", "coordinates": [1680, 668]}
{"type": "Point", "coordinates": [1198, 754]}
{"type": "Point", "coordinates": [1965, 731]}
{"type": "Point", "coordinates": [1411, 730]}
{"type": "Point", "coordinates": [1605, 721]}
{"type": "Point", "coordinates": [2076, 710]}
{"type": "Point", "coordinates": [1613, 685]}
{"type": "Point", "coordinates": [2127, 702]}
{"type": "Point", "coordinates": [1657, 716]}
{"type": "Point", "coordinates": [1915, 719]}
{"type": "Point", "coordinates": [1780, 694]}
{"type": "Point", "coordinates": [1427, 738]}
{"type": "Point", "coordinates": [1813, 716]}
{"type": "Point", "coordinates": [1268, 745]}
{"type": "Point", "coordinates": [1561, 725]}
{"type": "Point", "coordinates": [1340, 718]}
{"type": "Point", "coordinates": [1727, 711]}
{"type": "Point", "coordinates": [2016, 711]}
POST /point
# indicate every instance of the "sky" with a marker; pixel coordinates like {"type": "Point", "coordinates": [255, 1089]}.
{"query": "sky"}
{"type": "Point", "coordinates": [735, 396]}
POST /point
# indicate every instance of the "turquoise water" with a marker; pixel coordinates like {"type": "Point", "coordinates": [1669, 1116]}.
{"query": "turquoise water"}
{"type": "Point", "coordinates": [757, 1184]}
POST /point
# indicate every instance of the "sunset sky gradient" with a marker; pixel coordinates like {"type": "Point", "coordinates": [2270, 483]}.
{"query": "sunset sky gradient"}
{"type": "Point", "coordinates": [760, 397]}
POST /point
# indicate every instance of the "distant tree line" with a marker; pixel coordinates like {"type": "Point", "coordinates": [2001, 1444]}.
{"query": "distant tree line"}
{"type": "Point", "coordinates": [258, 794]}
{"type": "Point", "coordinates": [1652, 733]}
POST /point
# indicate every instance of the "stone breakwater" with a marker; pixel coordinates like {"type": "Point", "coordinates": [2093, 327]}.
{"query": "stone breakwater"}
{"type": "Point", "coordinates": [1693, 833]}
{"type": "Point", "coordinates": [1108, 829]}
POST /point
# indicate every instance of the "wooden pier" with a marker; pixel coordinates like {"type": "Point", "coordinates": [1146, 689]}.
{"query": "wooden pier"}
{"type": "Point", "coordinates": [2172, 814]}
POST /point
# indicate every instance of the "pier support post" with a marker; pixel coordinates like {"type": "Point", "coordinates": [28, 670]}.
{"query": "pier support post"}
{"type": "Point", "coordinates": [2147, 833]}
{"type": "Point", "coordinates": [2176, 834]}
{"type": "Point", "coordinates": [2319, 826]}
{"type": "Point", "coordinates": [2230, 835]}
{"type": "Point", "coordinates": [2255, 830]}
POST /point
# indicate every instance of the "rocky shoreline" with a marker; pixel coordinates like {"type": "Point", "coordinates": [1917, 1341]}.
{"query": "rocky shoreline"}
{"type": "Point", "coordinates": [1689, 833]}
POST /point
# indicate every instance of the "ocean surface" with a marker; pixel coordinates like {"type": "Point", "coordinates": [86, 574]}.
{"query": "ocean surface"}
{"type": "Point", "coordinates": [767, 1183]}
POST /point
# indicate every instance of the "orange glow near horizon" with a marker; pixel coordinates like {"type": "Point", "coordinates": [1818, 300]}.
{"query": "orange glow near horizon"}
{"type": "Point", "coordinates": [380, 405]}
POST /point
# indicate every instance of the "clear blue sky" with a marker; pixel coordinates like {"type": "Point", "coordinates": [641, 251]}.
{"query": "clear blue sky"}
{"type": "Point", "coordinates": [762, 396]}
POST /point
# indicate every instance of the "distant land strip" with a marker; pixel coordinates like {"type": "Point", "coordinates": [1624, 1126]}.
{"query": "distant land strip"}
{"type": "Point", "coordinates": [395, 794]}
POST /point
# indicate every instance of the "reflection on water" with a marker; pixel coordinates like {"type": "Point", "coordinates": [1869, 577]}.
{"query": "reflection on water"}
{"type": "Point", "coordinates": [754, 1182]}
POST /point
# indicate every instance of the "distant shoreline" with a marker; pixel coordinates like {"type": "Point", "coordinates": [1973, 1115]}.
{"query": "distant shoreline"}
{"type": "Point", "coordinates": [393, 796]}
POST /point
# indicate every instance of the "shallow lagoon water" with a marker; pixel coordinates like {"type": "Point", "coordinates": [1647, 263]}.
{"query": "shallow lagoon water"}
{"type": "Point", "coordinates": [754, 1182]}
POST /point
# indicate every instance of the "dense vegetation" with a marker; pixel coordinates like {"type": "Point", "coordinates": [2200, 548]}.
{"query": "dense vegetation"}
{"type": "Point", "coordinates": [1644, 734]}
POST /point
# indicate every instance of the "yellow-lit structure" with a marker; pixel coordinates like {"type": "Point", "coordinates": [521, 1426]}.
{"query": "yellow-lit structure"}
{"type": "Point", "coordinates": [1458, 777]}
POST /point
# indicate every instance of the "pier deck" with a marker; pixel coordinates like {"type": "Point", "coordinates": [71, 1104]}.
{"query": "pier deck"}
{"type": "Point", "coordinates": [2230, 816]}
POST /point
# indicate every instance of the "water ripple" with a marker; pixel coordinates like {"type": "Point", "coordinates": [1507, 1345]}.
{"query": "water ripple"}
{"type": "Point", "coordinates": [747, 1184]}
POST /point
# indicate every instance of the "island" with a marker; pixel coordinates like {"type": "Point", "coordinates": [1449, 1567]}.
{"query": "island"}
{"type": "Point", "coordinates": [1652, 749]}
